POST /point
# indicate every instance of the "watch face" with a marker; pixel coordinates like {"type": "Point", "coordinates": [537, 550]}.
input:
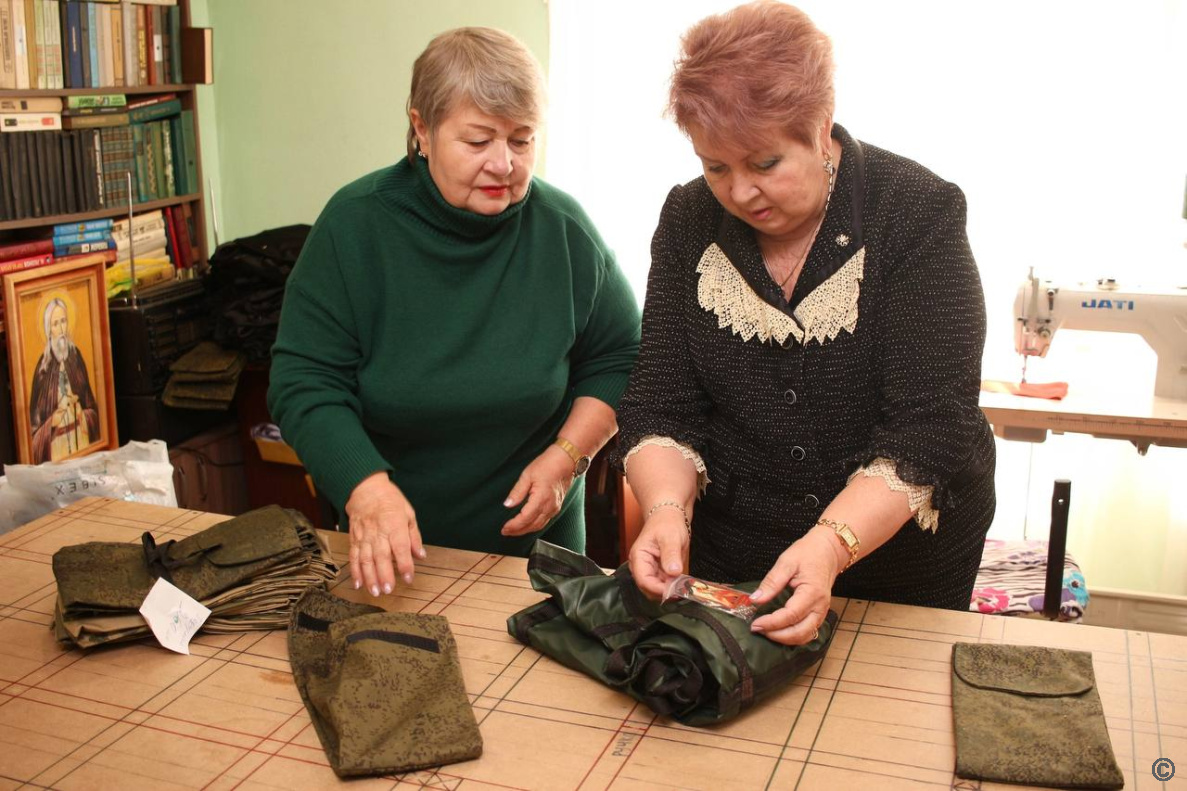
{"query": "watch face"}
{"type": "Point", "coordinates": [582, 465]}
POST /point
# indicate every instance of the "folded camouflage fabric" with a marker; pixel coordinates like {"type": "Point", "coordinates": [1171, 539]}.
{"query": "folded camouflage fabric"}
{"type": "Point", "coordinates": [384, 689]}
{"type": "Point", "coordinates": [684, 660]}
{"type": "Point", "coordinates": [1030, 715]}
{"type": "Point", "coordinates": [248, 571]}
{"type": "Point", "coordinates": [207, 357]}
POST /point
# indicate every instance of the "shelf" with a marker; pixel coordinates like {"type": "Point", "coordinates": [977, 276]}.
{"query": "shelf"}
{"type": "Point", "coordinates": [9, 93]}
{"type": "Point", "coordinates": [122, 211]}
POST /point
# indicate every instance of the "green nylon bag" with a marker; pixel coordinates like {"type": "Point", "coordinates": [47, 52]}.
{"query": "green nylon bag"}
{"type": "Point", "coordinates": [384, 689]}
{"type": "Point", "coordinates": [1030, 715]}
{"type": "Point", "coordinates": [682, 659]}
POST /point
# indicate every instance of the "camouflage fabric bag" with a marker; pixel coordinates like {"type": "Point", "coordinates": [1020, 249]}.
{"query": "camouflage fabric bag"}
{"type": "Point", "coordinates": [1030, 715]}
{"type": "Point", "coordinates": [384, 689]}
{"type": "Point", "coordinates": [684, 660]}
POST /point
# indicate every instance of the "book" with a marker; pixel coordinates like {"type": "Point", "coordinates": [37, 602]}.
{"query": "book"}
{"type": "Point", "coordinates": [81, 248]}
{"type": "Point", "coordinates": [94, 42]}
{"type": "Point", "coordinates": [32, 104]}
{"type": "Point", "coordinates": [80, 238]}
{"type": "Point", "coordinates": [7, 47]}
{"type": "Point", "coordinates": [53, 44]}
{"type": "Point", "coordinates": [97, 100]}
{"type": "Point", "coordinates": [83, 227]}
{"type": "Point", "coordinates": [36, 247]}
{"type": "Point", "coordinates": [36, 41]}
{"type": "Point", "coordinates": [141, 46]}
{"type": "Point", "coordinates": [73, 43]}
{"type": "Point", "coordinates": [197, 55]}
{"type": "Point", "coordinates": [30, 122]}
{"type": "Point", "coordinates": [106, 62]}
{"type": "Point", "coordinates": [69, 111]}
{"type": "Point", "coordinates": [20, 37]}
{"type": "Point", "coordinates": [189, 146]}
{"type": "Point", "coordinates": [7, 202]}
{"type": "Point", "coordinates": [21, 264]}
{"type": "Point", "coordinates": [145, 101]}
{"type": "Point", "coordinates": [117, 47]}
{"type": "Point", "coordinates": [152, 112]}
{"type": "Point", "coordinates": [128, 36]}
{"type": "Point", "coordinates": [108, 257]}
{"type": "Point", "coordinates": [94, 121]}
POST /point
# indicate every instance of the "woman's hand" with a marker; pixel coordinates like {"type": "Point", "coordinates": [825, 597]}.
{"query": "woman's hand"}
{"type": "Point", "coordinates": [660, 553]}
{"type": "Point", "coordinates": [544, 483]}
{"type": "Point", "coordinates": [382, 529]}
{"type": "Point", "coordinates": [810, 566]}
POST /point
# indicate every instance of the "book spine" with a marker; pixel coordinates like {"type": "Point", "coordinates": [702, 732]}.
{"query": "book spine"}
{"type": "Point", "coordinates": [39, 247]}
{"type": "Point", "coordinates": [103, 19]}
{"type": "Point", "coordinates": [79, 238]}
{"type": "Point", "coordinates": [7, 47]}
{"type": "Point", "coordinates": [53, 47]}
{"type": "Point", "coordinates": [96, 43]}
{"type": "Point", "coordinates": [128, 17]}
{"type": "Point", "coordinates": [30, 122]}
{"type": "Point", "coordinates": [96, 100]}
{"type": "Point", "coordinates": [167, 159]}
{"type": "Point", "coordinates": [152, 112]}
{"type": "Point", "coordinates": [84, 44]}
{"type": "Point", "coordinates": [83, 247]}
{"type": "Point", "coordinates": [117, 47]}
{"type": "Point", "coordinates": [20, 40]}
{"type": "Point", "coordinates": [21, 264]}
{"type": "Point", "coordinates": [35, 11]}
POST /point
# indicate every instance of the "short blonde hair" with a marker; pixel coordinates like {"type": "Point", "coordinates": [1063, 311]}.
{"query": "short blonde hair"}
{"type": "Point", "coordinates": [761, 66]}
{"type": "Point", "coordinates": [488, 67]}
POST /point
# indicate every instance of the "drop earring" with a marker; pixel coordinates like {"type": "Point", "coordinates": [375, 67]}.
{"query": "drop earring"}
{"type": "Point", "coordinates": [829, 167]}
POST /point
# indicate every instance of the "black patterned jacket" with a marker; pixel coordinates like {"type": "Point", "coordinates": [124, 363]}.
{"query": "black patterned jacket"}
{"type": "Point", "coordinates": [877, 356]}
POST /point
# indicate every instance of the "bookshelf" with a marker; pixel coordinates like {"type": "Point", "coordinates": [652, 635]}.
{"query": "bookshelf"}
{"type": "Point", "coordinates": [18, 230]}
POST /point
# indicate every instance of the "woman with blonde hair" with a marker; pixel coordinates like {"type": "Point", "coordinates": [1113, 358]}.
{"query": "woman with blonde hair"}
{"type": "Point", "coordinates": [455, 335]}
{"type": "Point", "coordinates": [805, 400]}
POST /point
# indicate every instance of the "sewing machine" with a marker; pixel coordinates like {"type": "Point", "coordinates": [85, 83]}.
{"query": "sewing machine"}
{"type": "Point", "coordinates": [1159, 315]}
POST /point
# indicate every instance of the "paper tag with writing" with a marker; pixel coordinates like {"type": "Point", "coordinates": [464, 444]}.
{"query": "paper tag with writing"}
{"type": "Point", "coordinates": [173, 615]}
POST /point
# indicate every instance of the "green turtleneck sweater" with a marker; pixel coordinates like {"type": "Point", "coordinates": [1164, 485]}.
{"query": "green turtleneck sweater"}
{"type": "Point", "coordinates": [446, 347]}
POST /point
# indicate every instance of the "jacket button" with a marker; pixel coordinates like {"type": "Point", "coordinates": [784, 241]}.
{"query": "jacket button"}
{"type": "Point", "coordinates": [811, 500]}
{"type": "Point", "coordinates": [789, 342]}
{"type": "Point", "coordinates": [789, 396]}
{"type": "Point", "coordinates": [798, 453]}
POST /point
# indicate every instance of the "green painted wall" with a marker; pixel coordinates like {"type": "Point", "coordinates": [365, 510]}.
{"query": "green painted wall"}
{"type": "Point", "coordinates": [309, 94]}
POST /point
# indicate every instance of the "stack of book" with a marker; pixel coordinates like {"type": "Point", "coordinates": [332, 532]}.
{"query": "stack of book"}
{"type": "Point", "coordinates": [83, 238]}
{"type": "Point", "coordinates": [55, 44]}
{"type": "Point", "coordinates": [85, 167]}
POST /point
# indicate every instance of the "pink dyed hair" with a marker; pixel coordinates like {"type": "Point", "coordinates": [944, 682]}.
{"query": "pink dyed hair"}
{"type": "Point", "coordinates": [758, 68]}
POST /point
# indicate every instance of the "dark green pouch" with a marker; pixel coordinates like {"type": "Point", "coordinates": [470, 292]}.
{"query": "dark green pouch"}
{"type": "Point", "coordinates": [102, 577]}
{"type": "Point", "coordinates": [384, 689]}
{"type": "Point", "coordinates": [684, 660]}
{"type": "Point", "coordinates": [1030, 715]}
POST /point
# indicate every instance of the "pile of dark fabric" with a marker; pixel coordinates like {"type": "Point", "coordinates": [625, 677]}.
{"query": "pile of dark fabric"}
{"type": "Point", "coordinates": [246, 288]}
{"type": "Point", "coordinates": [248, 571]}
{"type": "Point", "coordinates": [684, 660]}
{"type": "Point", "coordinates": [204, 378]}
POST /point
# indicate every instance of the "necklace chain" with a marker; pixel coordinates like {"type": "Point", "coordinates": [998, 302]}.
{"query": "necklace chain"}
{"type": "Point", "coordinates": [832, 180]}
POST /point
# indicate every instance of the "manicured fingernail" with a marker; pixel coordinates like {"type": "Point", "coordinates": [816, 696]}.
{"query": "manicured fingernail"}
{"type": "Point", "coordinates": [758, 594]}
{"type": "Point", "coordinates": [756, 628]}
{"type": "Point", "coordinates": [374, 590]}
{"type": "Point", "coordinates": [358, 584]}
{"type": "Point", "coordinates": [508, 502]}
{"type": "Point", "coordinates": [420, 553]}
{"type": "Point", "coordinates": [407, 579]}
{"type": "Point", "coordinates": [387, 587]}
{"type": "Point", "coordinates": [673, 568]}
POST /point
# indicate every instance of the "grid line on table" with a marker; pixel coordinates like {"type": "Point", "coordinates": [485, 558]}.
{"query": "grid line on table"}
{"type": "Point", "coordinates": [1154, 694]}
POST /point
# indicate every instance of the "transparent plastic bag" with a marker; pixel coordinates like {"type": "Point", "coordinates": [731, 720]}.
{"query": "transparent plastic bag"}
{"type": "Point", "coordinates": [139, 471]}
{"type": "Point", "coordinates": [712, 594]}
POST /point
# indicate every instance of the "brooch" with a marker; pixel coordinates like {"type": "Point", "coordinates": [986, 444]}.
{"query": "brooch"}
{"type": "Point", "coordinates": [842, 240]}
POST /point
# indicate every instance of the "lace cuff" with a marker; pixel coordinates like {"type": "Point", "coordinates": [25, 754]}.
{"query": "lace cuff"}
{"type": "Point", "coordinates": [918, 496]}
{"type": "Point", "coordinates": [685, 451]}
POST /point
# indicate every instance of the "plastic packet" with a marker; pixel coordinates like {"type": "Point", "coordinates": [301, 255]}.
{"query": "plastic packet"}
{"type": "Point", "coordinates": [711, 594]}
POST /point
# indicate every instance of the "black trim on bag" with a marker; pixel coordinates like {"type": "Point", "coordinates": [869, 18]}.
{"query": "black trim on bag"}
{"type": "Point", "coordinates": [549, 565]}
{"type": "Point", "coordinates": [632, 597]}
{"type": "Point", "coordinates": [737, 655]}
{"type": "Point", "coordinates": [306, 621]}
{"type": "Point", "coordinates": [611, 629]}
{"type": "Point", "coordinates": [399, 638]}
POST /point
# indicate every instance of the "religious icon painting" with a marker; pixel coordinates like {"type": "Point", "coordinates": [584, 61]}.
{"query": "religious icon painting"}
{"type": "Point", "coordinates": [59, 353]}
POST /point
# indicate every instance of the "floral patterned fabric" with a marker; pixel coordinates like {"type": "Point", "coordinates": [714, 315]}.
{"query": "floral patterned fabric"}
{"type": "Point", "coordinates": [1012, 578]}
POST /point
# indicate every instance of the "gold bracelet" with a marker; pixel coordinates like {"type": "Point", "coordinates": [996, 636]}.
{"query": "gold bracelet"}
{"type": "Point", "coordinates": [845, 535]}
{"type": "Point", "coordinates": [672, 504]}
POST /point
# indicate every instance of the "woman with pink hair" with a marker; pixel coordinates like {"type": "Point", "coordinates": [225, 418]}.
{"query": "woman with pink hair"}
{"type": "Point", "coordinates": [805, 399]}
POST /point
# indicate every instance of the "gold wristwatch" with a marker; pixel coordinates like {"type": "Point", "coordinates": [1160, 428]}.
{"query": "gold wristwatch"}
{"type": "Point", "coordinates": [580, 460]}
{"type": "Point", "coordinates": [845, 536]}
